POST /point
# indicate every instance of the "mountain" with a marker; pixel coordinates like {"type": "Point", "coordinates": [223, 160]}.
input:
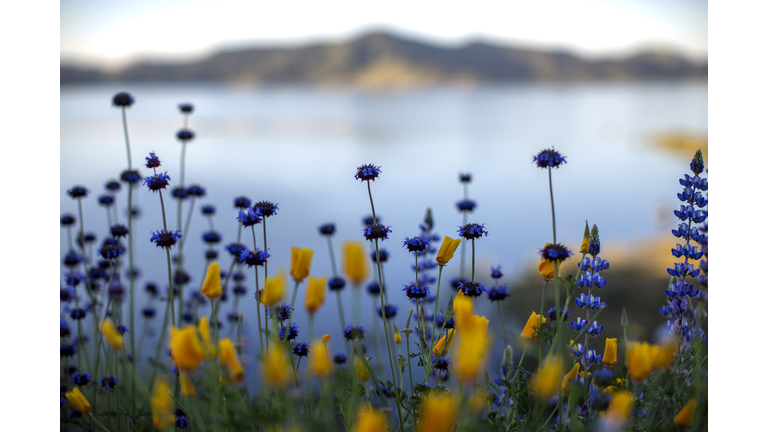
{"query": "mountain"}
{"type": "Point", "coordinates": [378, 60]}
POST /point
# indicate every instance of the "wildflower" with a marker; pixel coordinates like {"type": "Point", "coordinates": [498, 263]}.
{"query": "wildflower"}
{"type": "Point", "coordinates": [301, 260]}
{"type": "Point", "coordinates": [315, 294]}
{"type": "Point", "coordinates": [211, 237]}
{"type": "Point", "coordinates": [472, 289]}
{"type": "Point", "coordinates": [130, 176]}
{"type": "Point", "coordinates": [532, 327]}
{"type": "Point", "coordinates": [208, 210]}
{"type": "Point", "coordinates": [157, 182]}
{"type": "Point", "coordinates": [555, 253]}
{"type": "Point", "coordinates": [228, 357]}
{"type": "Point", "coordinates": [367, 172]}
{"type": "Point", "coordinates": [152, 160]}
{"type": "Point", "coordinates": [266, 208]}
{"type": "Point", "coordinates": [249, 217]}
{"type": "Point", "coordinates": [106, 200]}
{"type": "Point", "coordinates": [437, 414]}
{"type": "Point", "coordinates": [572, 376]}
{"type": "Point", "coordinates": [274, 289]}
{"type": "Point", "coordinates": [291, 332]}
{"type": "Point", "coordinates": [373, 288]}
{"type": "Point", "coordinates": [242, 202]}
{"type": "Point", "coordinates": [278, 366]}
{"type": "Point", "coordinates": [301, 349]}
{"type": "Point", "coordinates": [320, 365]}
{"type": "Point", "coordinates": [185, 135]}
{"type": "Point", "coordinates": [579, 324]}
{"type": "Point", "coordinates": [108, 381]}
{"type": "Point", "coordinates": [553, 314]}
{"type": "Point", "coordinates": [355, 266]}
{"type": "Point", "coordinates": [283, 311]}
{"type": "Point", "coordinates": [547, 269]}
{"type": "Point", "coordinates": [591, 357]}
{"type": "Point", "coordinates": [440, 321]}
{"type": "Point", "coordinates": [78, 401]}
{"type": "Point", "coordinates": [186, 108]}
{"type": "Point", "coordinates": [389, 311]}
{"type": "Point", "coordinates": [603, 377]}
{"type": "Point", "coordinates": [162, 404]}
{"type": "Point", "coordinates": [619, 408]}
{"type": "Point", "coordinates": [81, 379]}
{"type": "Point", "coordinates": [472, 347]}
{"type": "Point", "coordinates": [78, 192]}
{"type": "Point", "coordinates": [188, 351]}
{"type": "Point", "coordinates": [369, 420]}
{"type": "Point", "coordinates": [609, 355]}
{"type": "Point", "coordinates": [472, 231]}
{"type": "Point", "coordinates": [376, 231]}
{"type": "Point", "coordinates": [111, 335]}
{"type": "Point", "coordinates": [684, 418]}
{"type": "Point", "coordinates": [166, 239]}
{"type": "Point", "coordinates": [416, 291]}
{"type": "Point", "coordinates": [496, 272]}
{"type": "Point", "coordinates": [416, 244]}
{"type": "Point", "coordinates": [383, 255]}
{"type": "Point", "coordinates": [398, 338]}
{"type": "Point", "coordinates": [362, 369]}
{"type": "Point", "coordinates": [447, 249]}
{"type": "Point", "coordinates": [466, 205]}
{"type": "Point", "coordinates": [549, 158]}
{"type": "Point", "coordinates": [594, 329]}
{"type": "Point", "coordinates": [336, 283]}
{"type": "Point", "coordinates": [441, 363]}
{"type": "Point", "coordinates": [251, 258]}
{"type": "Point", "coordinates": [465, 177]}
{"type": "Point", "coordinates": [122, 99]}
{"type": "Point", "coordinates": [354, 332]}
{"type": "Point", "coordinates": [339, 358]}
{"type": "Point", "coordinates": [641, 358]}
{"type": "Point", "coordinates": [212, 285]}
{"type": "Point", "coordinates": [462, 305]}
{"type": "Point", "coordinates": [441, 347]}
{"type": "Point", "coordinates": [187, 388]}
{"type": "Point", "coordinates": [111, 249]}
{"type": "Point", "coordinates": [122, 329]}
{"type": "Point", "coordinates": [327, 229]}
{"type": "Point", "coordinates": [112, 186]}
{"type": "Point", "coordinates": [67, 220]}
{"type": "Point", "coordinates": [547, 379]}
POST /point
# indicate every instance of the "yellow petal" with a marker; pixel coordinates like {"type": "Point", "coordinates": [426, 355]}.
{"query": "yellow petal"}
{"type": "Point", "coordinates": [447, 249]}
{"type": "Point", "coordinates": [212, 283]}
{"type": "Point", "coordinates": [684, 418]}
{"type": "Point", "coordinates": [301, 261]}
{"type": "Point", "coordinates": [320, 365]}
{"type": "Point", "coordinates": [162, 404]}
{"type": "Point", "coordinates": [111, 334]}
{"type": "Point", "coordinates": [532, 327]}
{"type": "Point", "coordinates": [78, 401]}
{"type": "Point", "coordinates": [228, 357]}
{"type": "Point", "coordinates": [355, 262]}
{"type": "Point", "coordinates": [437, 414]}
{"type": "Point", "coordinates": [274, 289]}
{"type": "Point", "coordinates": [315, 294]}
{"type": "Point", "coordinates": [186, 348]}
{"type": "Point", "coordinates": [609, 355]}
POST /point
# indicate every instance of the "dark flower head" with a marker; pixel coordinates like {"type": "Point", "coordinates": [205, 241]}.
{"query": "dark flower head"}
{"type": "Point", "coordinates": [66, 293]}
{"type": "Point", "coordinates": [301, 349]}
{"type": "Point", "coordinates": [118, 230]}
{"type": "Point", "coordinates": [157, 181]}
{"type": "Point", "coordinates": [367, 172]}
{"type": "Point", "coordinates": [211, 237]}
{"type": "Point", "coordinates": [211, 255]}
{"type": "Point", "coordinates": [594, 248]}
{"type": "Point", "coordinates": [253, 258]}
{"type": "Point", "coordinates": [135, 212]}
{"type": "Point", "coordinates": [187, 317]}
{"type": "Point", "coordinates": [67, 220]}
{"type": "Point", "coordinates": [472, 231]}
{"type": "Point", "coordinates": [78, 192]}
{"type": "Point", "coordinates": [249, 216]}
{"type": "Point", "coordinates": [266, 208]}
{"type": "Point", "coordinates": [603, 377]}
{"type": "Point", "coordinates": [383, 255]}
{"type": "Point", "coordinates": [336, 283]}
{"type": "Point", "coordinates": [233, 317]}
{"type": "Point", "coordinates": [87, 238]}
{"type": "Point", "coordinates": [327, 229]}
{"type": "Point", "coordinates": [106, 200]}
{"type": "Point", "coordinates": [108, 381]}
{"type": "Point", "coordinates": [112, 186]}
{"type": "Point", "coordinates": [451, 323]}
{"type": "Point", "coordinates": [441, 363]}
{"type": "Point", "coordinates": [377, 231]}
{"type": "Point", "coordinates": [496, 272]}
{"type": "Point", "coordinates": [72, 259]}
{"type": "Point", "coordinates": [373, 288]}
{"type": "Point", "coordinates": [498, 293]}
{"type": "Point", "coordinates": [196, 191]}
{"type": "Point", "coordinates": [465, 177]}
{"type": "Point", "coordinates": [549, 158]}
{"type": "Point", "coordinates": [77, 314]}
{"type": "Point", "coordinates": [354, 332]}
{"type": "Point", "coordinates": [389, 311]}
{"type": "Point", "coordinates": [152, 160]}
{"type": "Point", "coordinates": [185, 135]}
{"type": "Point", "coordinates": [151, 289]}
{"type": "Point", "coordinates": [339, 358]}
{"type": "Point", "coordinates": [74, 278]}
{"type": "Point", "coordinates": [116, 291]}
{"type": "Point", "coordinates": [416, 244]}
{"type": "Point", "coordinates": [466, 205]}
{"type": "Point", "coordinates": [472, 289]}
{"type": "Point", "coordinates": [242, 202]}
{"type": "Point", "coordinates": [122, 99]}
{"type": "Point", "coordinates": [283, 311]}
{"type": "Point", "coordinates": [239, 290]}
{"type": "Point", "coordinates": [166, 239]}
{"type": "Point", "coordinates": [148, 312]}
{"type": "Point", "coordinates": [179, 192]}
{"type": "Point", "coordinates": [130, 176]}
{"type": "Point", "coordinates": [186, 108]}
{"type": "Point", "coordinates": [64, 328]}
{"type": "Point", "coordinates": [111, 249]}
{"type": "Point", "coordinates": [122, 329]}
{"type": "Point", "coordinates": [555, 252]}
{"type": "Point", "coordinates": [368, 220]}
{"type": "Point", "coordinates": [456, 283]}
{"type": "Point", "coordinates": [180, 277]}
{"type": "Point", "coordinates": [553, 316]}
{"type": "Point", "coordinates": [697, 163]}
{"type": "Point", "coordinates": [182, 421]}
{"type": "Point", "coordinates": [68, 350]}
{"type": "Point", "coordinates": [208, 210]}
{"type": "Point", "coordinates": [292, 332]}
{"type": "Point", "coordinates": [416, 291]}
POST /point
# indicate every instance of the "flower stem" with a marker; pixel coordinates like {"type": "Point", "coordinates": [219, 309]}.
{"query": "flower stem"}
{"type": "Point", "coordinates": [434, 316]}
{"type": "Point", "coordinates": [168, 256]}
{"type": "Point", "coordinates": [503, 326]}
{"type": "Point", "coordinates": [541, 316]}
{"type": "Point", "coordinates": [131, 281]}
{"type": "Point", "coordinates": [94, 418]}
{"type": "Point", "coordinates": [473, 260]}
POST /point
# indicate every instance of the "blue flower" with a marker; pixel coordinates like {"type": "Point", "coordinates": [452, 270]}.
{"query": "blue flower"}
{"type": "Point", "coordinates": [496, 272]}
{"type": "Point", "coordinates": [106, 200]}
{"type": "Point", "coordinates": [64, 328]}
{"type": "Point", "coordinates": [68, 350]}
{"type": "Point", "coordinates": [253, 258]}
{"type": "Point", "coordinates": [603, 377]}
{"type": "Point", "coordinates": [196, 191]}
{"type": "Point", "coordinates": [122, 329]}
{"type": "Point", "coordinates": [472, 231]}
{"type": "Point", "coordinates": [594, 329]}
{"type": "Point", "coordinates": [67, 220]}
{"type": "Point", "coordinates": [108, 381]}
{"type": "Point", "coordinates": [186, 108]}
{"type": "Point", "coordinates": [591, 357]}
{"type": "Point", "coordinates": [185, 135]}
{"type": "Point", "coordinates": [78, 192]}
{"type": "Point", "coordinates": [389, 311]}
{"type": "Point", "coordinates": [148, 312]}
{"type": "Point", "coordinates": [367, 172]}
{"type": "Point", "coordinates": [211, 237]}
{"type": "Point", "coordinates": [354, 332]}
{"type": "Point", "coordinates": [293, 332]}
{"type": "Point", "coordinates": [373, 288]}
{"type": "Point", "coordinates": [383, 255]}
{"type": "Point", "coordinates": [208, 210]}
{"type": "Point", "coordinates": [301, 349]}
{"type": "Point", "coordinates": [555, 252]}
{"type": "Point", "coordinates": [72, 259]}
{"type": "Point", "coordinates": [451, 323]}
{"type": "Point", "coordinates": [283, 311]}
{"type": "Point", "coordinates": [266, 208]}
{"type": "Point", "coordinates": [549, 158]}
{"type": "Point", "coordinates": [456, 283]}
{"type": "Point", "coordinates": [416, 244]}
{"type": "Point", "coordinates": [239, 290]}
{"type": "Point", "coordinates": [249, 217]}
{"type": "Point", "coordinates": [111, 249]}
{"type": "Point", "coordinates": [416, 291]}
{"type": "Point", "coordinates": [166, 239]}
{"type": "Point", "coordinates": [577, 350]}
{"type": "Point", "coordinates": [152, 160]}
{"type": "Point", "coordinates": [179, 192]}
{"type": "Point", "coordinates": [466, 205]}
{"type": "Point", "coordinates": [465, 177]}
{"type": "Point", "coordinates": [472, 289]}
{"type": "Point", "coordinates": [157, 181]}
{"type": "Point", "coordinates": [118, 230]}
{"type": "Point", "coordinates": [339, 358]}
{"type": "Point", "coordinates": [77, 314]}
{"type": "Point", "coordinates": [498, 293]}
{"type": "Point", "coordinates": [441, 363]}
{"type": "Point", "coordinates": [242, 202]}
{"type": "Point", "coordinates": [368, 220]}
{"type": "Point", "coordinates": [122, 99]}
{"type": "Point", "coordinates": [336, 283]}
{"type": "Point", "coordinates": [327, 229]}
{"type": "Point", "coordinates": [130, 176]}
{"type": "Point", "coordinates": [579, 324]}
{"type": "Point", "coordinates": [112, 186]}
{"type": "Point", "coordinates": [376, 231]}
{"type": "Point", "coordinates": [235, 249]}
{"type": "Point", "coordinates": [81, 379]}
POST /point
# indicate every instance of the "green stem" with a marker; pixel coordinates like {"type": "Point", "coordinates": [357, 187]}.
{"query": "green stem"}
{"type": "Point", "coordinates": [168, 256]}
{"type": "Point", "coordinates": [434, 316]}
{"type": "Point", "coordinates": [503, 326]}
{"type": "Point", "coordinates": [295, 291]}
{"type": "Point", "coordinates": [131, 279]}
{"type": "Point", "coordinates": [97, 422]}
{"type": "Point", "coordinates": [473, 260]}
{"type": "Point", "coordinates": [127, 143]}
{"type": "Point", "coordinates": [541, 316]}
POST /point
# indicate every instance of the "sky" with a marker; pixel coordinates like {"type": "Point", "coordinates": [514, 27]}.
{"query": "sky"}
{"type": "Point", "coordinates": [116, 33]}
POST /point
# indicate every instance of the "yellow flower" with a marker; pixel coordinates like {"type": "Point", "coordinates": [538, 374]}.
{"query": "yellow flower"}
{"type": "Point", "coordinates": [641, 358]}
{"type": "Point", "coordinates": [186, 348]}
{"type": "Point", "coordinates": [162, 404]}
{"type": "Point", "coordinates": [187, 388]}
{"type": "Point", "coordinates": [438, 349]}
{"type": "Point", "coordinates": [437, 414]}
{"type": "Point", "coordinates": [212, 283]}
{"type": "Point", "coordinates": [111, 334]}
{"type": "Point", "coordinates": [204, 328]}
{"type": "Point", "coordinates": [315, 294]}
{"type": "Point", "coordinates": [585, 241]}
{"type": "Point", "coordinates": [355, 262]}
{"type": "Point", "coordinates": [398, 339]}
{"type": "Point", "coordinates": [78, 401]}
{"type": "Point", "coordinates": [665, 354]}
{"type": "Point", "coordinates": [362, 369]}
{"type": "Point", "coordinates": [278, 366]}
{"type": "Point", "coordinates": [472, 347]}
{"type": "Point", "coordinates": [547, 379]}
{"type": "Point", "coordinates": [274, 289]}
{"type": "Point", "coordinates": [572, 376]}
{"type": "Point", "coordinates": [369, 420]}
{"type": "Point", "coordinates": [684, 418]}
{"type": "Point", "coordinates": [301, 261]}
{"type": "Point", "coordinates": [547, 268]}
{"type": "Point", "coordinates": [609, 355]}
{"type": "Point", "coordinates": [532, 327]}
{"type": "Point", "coordinates": [228, 357]}
{"type": "Point", "coordinates": [618, 410]}
{"type": "Point", "coordinates": [470, 324]}
{"type": "Point", "coordinates": [447, 249]}
{"type": "Point", "coordinates": [320, 365]}
{"type": "Point", "coordinates": [462, 305]}
{"type": "Point", "coordinates": [326, 338]}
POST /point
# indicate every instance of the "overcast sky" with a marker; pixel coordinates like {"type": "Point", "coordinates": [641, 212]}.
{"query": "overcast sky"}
{"type": "Point", "coordinates": [114, 33]}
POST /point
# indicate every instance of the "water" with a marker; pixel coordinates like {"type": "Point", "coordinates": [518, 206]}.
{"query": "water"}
{"type": "Point", "coordinates": [300, 147]}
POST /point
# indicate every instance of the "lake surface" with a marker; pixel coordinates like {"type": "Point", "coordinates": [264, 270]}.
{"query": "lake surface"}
{"type": "Point", "coordinates": [300, 147]}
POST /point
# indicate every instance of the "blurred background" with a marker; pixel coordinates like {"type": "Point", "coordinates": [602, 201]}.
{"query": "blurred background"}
{"type": "Point", "coordinates": [291, 97]}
